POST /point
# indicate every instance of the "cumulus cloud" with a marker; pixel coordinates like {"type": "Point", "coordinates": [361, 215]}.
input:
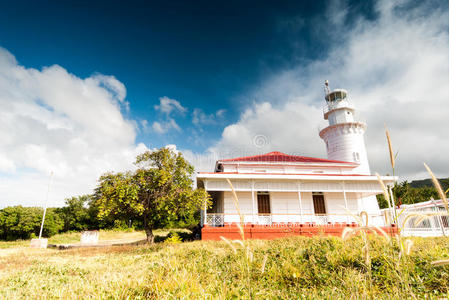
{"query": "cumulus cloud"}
{"type": "Point", "coordinates": [396, 69]}
{"type": "Point", "coordinates": [168, 107]}
{"type": "Point", "coordinates": [52, 120]}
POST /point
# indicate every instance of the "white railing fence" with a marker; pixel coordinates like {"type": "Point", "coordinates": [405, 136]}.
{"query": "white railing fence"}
{"type": "Point", "coordinates": [437, 225]}
{"type": "Point", "coordinates": [220, 219]}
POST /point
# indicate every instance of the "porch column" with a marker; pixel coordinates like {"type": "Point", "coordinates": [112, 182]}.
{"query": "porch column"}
{"type": "Point", "coordinates": [359, 203]}
{"type": "Point", "coordinates": [346, 201]}
{"type": "Point", "coordinates": [205, 203]}
{"type": "Point", "coordinates": [254, 202]}
{"type": "Point", "coordinates": [300, 202]}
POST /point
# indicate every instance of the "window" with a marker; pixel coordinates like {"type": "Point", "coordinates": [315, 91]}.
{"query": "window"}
{"type": "Point", "coordinates": [318, 204]}
{"type": "Point", "coordinates": [356, 156]}
{"type": "Point", "coordinates": [263, 203]}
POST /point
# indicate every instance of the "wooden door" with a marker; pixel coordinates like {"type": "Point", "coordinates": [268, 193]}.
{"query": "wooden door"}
{"type": "Point", "coordinates": [263, 203]}
{"type": "Point", "coordinates": [318, 205]}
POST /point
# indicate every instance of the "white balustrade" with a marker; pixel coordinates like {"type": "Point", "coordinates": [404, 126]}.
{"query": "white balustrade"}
{"type": "Point", "coordinates": [215, 220]}
{"type": "Point", "coordinates": [219, 219]}
{"type": "Point", "coordinates": [264, 220]}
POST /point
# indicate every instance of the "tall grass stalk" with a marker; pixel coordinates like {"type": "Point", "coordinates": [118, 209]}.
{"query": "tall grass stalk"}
{"type": "Point", "coordinates": [393, 164]}
{"type": "Point", "coordinates": [404, 247]}
{"type": "Point", "coordinates": [437, 185]}
{"type": "Point", "coordinates": [386, 195]}
{"type": "Point", "coordinates": [249, 256]}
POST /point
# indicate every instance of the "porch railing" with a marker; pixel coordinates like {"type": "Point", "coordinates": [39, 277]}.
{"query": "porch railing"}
{"type": "Point", "coordinates": [264, 219]}
{"type": "Point", "coordinates": [215, 220]}
{"type": "Point", "coordinates": [220, 219]}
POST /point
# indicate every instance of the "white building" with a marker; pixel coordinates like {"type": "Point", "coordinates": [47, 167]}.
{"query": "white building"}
{"type": "Point", "coordinates": [277, 188]}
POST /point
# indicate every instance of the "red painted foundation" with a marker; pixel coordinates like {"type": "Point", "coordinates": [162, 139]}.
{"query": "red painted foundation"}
{"type": "Point", "coordinates": [275, 231]}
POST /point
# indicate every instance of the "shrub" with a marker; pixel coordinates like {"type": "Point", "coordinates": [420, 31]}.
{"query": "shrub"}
{"type": "Point", "coordinates": [173, 238]}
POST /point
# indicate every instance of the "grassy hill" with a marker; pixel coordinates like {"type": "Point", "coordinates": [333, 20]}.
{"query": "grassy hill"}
{"type": "Point", "coordinates": [289, 268]}
{"type": "Point", "coordinates": [428, 183]}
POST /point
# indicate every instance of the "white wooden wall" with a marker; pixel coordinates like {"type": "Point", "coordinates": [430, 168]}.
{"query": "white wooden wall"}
{"type": "Point", "coordinates": [293, 185]}
{"type": "Point", "coordinates": [285, 206]}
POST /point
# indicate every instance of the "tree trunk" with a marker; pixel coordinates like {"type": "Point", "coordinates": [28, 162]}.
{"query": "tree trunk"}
{"type": "Point", "coordinates": [148, 230]}
{"type": "Point", "coordinates": [150, 236]}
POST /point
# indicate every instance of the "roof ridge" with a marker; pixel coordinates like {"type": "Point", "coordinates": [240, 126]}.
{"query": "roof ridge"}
{"type": "Point", "coordinates": [271, 156]}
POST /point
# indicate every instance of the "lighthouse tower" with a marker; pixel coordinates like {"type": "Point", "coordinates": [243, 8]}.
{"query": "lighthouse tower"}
{"type": "Point", "coordinates": [344, 136]}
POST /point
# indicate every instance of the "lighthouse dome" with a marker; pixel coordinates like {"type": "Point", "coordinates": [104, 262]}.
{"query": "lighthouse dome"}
{"type": "Point", "coordinates": [336, 95]}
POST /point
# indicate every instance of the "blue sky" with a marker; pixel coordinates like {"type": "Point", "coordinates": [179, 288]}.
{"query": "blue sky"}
{"type": "Point", "coordinates": [205, 55]}
{"type": "Point", "coordinates": [87, 85]}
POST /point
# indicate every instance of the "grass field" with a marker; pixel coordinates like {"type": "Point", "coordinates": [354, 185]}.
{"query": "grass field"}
{"type": "Point", "coordinates": [285, 268]}
{"type": "Point", "coordinates": [75, 237]}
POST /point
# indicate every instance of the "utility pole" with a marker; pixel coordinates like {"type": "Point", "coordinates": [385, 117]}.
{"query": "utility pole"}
{"type": "Point", "coordinates": [45, 206]}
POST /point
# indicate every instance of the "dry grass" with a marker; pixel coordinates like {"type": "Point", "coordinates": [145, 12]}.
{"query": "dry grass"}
{"type": "Point", "coordinates": [390, 149]}
{"type": "Point", "coordinates": [286, 268]}
{"type": "Point", "coordinates": [75, 237]}
{"type": "Point", "coordinates": [437, 185]}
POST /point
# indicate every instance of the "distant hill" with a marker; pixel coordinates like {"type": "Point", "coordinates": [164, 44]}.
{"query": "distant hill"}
{"type": "Point", "coordinates": [428, 182]}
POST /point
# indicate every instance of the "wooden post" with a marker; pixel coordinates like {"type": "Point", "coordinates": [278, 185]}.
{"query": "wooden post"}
{"type": "Point", "coordinates": [346, 201]}
{"type": "Point", "coordinates": [205, 204]}
{"type": "Point", "coordinates": [300, 202]}
{"type": "Point", "coordinates": [254, 204]}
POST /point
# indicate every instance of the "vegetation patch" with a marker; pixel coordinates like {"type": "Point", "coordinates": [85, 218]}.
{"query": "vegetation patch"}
{"type": "Point", "coordinates": [296, 267]}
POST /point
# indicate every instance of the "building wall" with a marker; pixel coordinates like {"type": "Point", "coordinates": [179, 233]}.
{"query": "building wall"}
{"type": "Point", "coordinates": [245, 204]}
{"type": "Point", "coordinates": [285, 169]}
{"type": "Point", "coordinates": [285, 207]}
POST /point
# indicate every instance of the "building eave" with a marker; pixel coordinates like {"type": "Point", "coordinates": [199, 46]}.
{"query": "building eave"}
{"type": "Point", "coordinates": [313, 177]}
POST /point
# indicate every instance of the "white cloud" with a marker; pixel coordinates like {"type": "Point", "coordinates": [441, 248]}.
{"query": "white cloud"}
{"type": "Point", "coordinates": [396, 69]}
{"type": "Point", "coordinates": [167, 106]}
{"type": "Point", "coordinates": [51, 120]}
{"type": "Point", "coordinates": [199, 117]}
{"type": "Point", "coordinates": [165, 126]}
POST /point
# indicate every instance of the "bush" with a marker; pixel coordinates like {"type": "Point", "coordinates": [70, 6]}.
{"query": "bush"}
{"type": "Point", "coordinates": [173, 238]}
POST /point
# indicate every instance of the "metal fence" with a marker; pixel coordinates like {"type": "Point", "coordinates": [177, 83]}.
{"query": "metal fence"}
{"type": "Point", "coordinates": [429, 221]}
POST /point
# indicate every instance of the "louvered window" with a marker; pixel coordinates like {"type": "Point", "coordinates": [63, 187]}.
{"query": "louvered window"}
{"type": "Point", "coordinates": [263, 203]}
{"type": "Point", "coordinates": [318, 204]}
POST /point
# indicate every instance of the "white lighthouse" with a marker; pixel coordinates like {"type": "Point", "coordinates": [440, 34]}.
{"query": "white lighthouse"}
{"type": "Point", "coordinates": [344, 137]}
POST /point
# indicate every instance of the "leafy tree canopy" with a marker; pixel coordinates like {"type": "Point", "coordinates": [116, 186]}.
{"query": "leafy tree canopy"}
{"type": "Point", "coordinates": [24, 222]}
{"type": "Point", "coordinates": [160, 191]}
{"type": "Point", "coordinates": [410, 193]}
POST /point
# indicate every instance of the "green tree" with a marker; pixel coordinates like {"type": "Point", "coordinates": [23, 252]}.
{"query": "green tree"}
{"type": "Point", "coordinates": [160, 191]}
{"type": "Point", "coordinates": [76, 213]}
{"type": "Point", "coordinates": [17, 222]}
{"type": "Point", "coordinates": [404, 193]}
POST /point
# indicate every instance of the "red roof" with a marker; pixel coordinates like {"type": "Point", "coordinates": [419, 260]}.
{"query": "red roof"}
{"type": "Point", "coordinates": [302, 174]}
{"type": "Point", "coordinates": [282, 157]}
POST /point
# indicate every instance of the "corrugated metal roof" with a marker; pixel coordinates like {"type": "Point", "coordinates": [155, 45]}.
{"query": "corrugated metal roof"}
{"type": "Point", "coordinates": [282, 157]}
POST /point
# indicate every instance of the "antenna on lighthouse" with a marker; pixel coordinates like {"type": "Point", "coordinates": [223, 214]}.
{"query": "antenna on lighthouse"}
{"type": "Point", "coordinates": [326, 89]}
